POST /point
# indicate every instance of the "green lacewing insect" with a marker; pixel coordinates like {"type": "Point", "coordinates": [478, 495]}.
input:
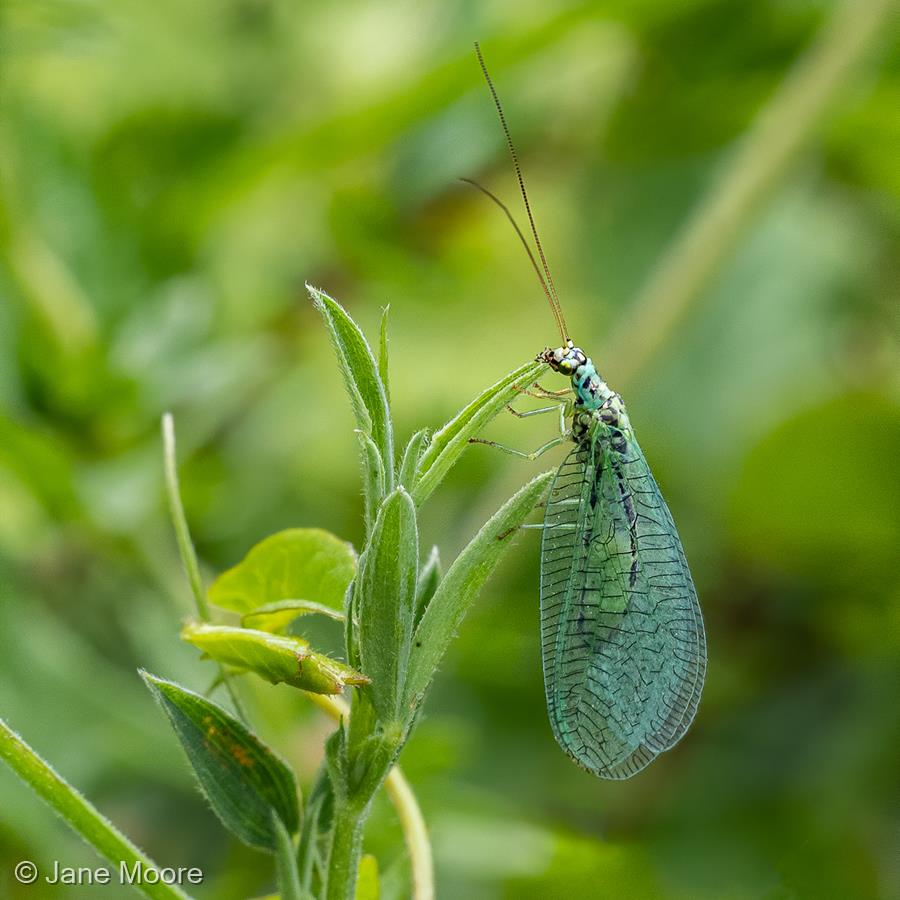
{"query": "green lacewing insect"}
{"type": "Point", "coordinates": [622, 637]}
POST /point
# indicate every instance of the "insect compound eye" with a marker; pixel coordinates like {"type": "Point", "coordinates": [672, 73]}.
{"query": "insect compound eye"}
{"type": "Point", "coordinates": [566, 366]}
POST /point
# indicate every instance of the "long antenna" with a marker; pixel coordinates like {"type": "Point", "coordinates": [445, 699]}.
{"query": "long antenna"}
{"type": "Point", "coordinates": [549, 286]}
{"type": "Point", "coordinates": [537, 269]}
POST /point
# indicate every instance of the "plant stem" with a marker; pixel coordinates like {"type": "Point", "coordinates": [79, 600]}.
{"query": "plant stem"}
{"type": "Point", "coordinates": [186, 544]}
{"type": "Point", "coordinates": [80, 814]}
{"type": "Point", "coordinates": [781, 129]}
{"type": "Point", "coordinates": [404, 800]}
{"type": "Point", "coordinates": [346, 847]}
{"type": "Point", "coordinates": [179, 520]}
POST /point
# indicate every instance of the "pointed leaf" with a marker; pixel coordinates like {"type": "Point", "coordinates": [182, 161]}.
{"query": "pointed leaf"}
{"type": "Point", "coordinates": [299, 563]}
{"type": "Point", "coordinates": [460, 586]}
{"type": "Point", "coordinates": [373, 478]}
{"type": "Point", "coordinates": [385, 599]}
{"type": "Point", "coordinates": [275, 617]}
{"type": "Point", "coordinates": [361, 377]}
{"type": "Point", "coordinates": [449, 443]}
{"type": "Point", "coordinates": [286, 858]}
{"type": "Point", "coordinates": [351, 626]}
{"type": "Point", "coordinates": [383, 353]}
{"type": "Point", "coordinates": [336, 762]}
{"type": "Point", "coordinates": [317, 815]}
{"type": "Point", "coordinates": [429, 578]}
{"type": "Point", "coordinates": [245, 782]}
{"type": "Point", "coordinates": [411, 456]}
{"type": "Point", "coordinates": [275, 657]}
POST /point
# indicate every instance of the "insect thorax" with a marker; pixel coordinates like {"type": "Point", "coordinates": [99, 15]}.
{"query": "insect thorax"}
{"type": "Point", "coordinates": [599, 411]}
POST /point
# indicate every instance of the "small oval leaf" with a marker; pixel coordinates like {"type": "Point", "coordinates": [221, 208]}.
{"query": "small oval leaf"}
{"type": "Point", "coordinates": [275, 657]}
{"type": "Point", "coordinates": [306, 563]}
{"type": "Point", "coordinates": [245, 782]}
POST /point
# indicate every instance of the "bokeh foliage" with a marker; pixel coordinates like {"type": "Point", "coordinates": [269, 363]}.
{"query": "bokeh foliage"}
{"type": "Point", "coordinates": [171, 173]}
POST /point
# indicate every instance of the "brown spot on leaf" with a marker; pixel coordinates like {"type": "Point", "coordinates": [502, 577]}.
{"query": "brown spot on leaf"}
{"type": "Point", "coordinates": [242, 756]}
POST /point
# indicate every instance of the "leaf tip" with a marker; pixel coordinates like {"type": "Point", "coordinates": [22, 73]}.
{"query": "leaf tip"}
{"type": "Point", "coordinates": [155, 685]}
{"type": "Point", "coordinates": [316, 294]}
{"type": "Point", "coordinates": [189, 629]}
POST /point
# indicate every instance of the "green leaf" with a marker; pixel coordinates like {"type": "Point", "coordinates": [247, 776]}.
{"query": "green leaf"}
{"type": "Point", "coordinates": [245, 782]}
{"type": "Point", "coordinates": [383, 353]}
{"type": "Point", "coordinates": [336, 762]}
{"type": "Point", "coordinates": [449, 443]}
{"type": "Point", "coordinates": [429, 578]}
{"type": "Point", "coordinates": [275, 617]}
{"type": "Point", "coordinates": [370, 760]}
{"type": "Point", "coordinates": [275, 657]}
{"type": "Point", "coordinates": [361, 377]}
{"type": "Point", "coordinates": [373, 478]}
{"type": "Point", "coordinates": [385, 599]}
{"type": "Point", "coordinates": [317, 814]}
{"type": "Point", "coordinates": [367, 879]}
{"type": "Point", "coordinates": [411, 456]}
{"type": "Point", "coordinates": [460, 586]}
{"type": "Point", "coordinates": [296, 564]}
{"type": "Point", "coordinates": [286, 858]}
{"type": "Point", "coordinates": [351, 626]}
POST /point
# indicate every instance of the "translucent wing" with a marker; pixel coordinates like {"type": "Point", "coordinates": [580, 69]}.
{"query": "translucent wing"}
{"type": "Point", "coordinates": [624, 649]}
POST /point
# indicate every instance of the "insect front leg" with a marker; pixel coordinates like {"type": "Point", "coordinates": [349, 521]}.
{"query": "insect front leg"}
{"type": "Point", "coordinates": [535, 412]}
{"type": "Point", "coordinates": [541, 393]}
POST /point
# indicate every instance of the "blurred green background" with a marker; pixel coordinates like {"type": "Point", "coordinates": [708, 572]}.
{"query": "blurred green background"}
{"type": "Point", "coordinates": [171, 173]}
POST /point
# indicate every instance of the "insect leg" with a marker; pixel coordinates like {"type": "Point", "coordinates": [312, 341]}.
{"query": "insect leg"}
{"type": "Point", "coordinates": [531, 412]}
{"type": "Point", "coordinates": [562, 526]}
{"type": "Point", "coordinates": [563, 409]}
{"type": "Point", "coordinates": [536, 525]}
{"type": "Point", "coordinates": [533, 455]}
{"type": "Point", "coordinates": [541, 393]}
{"type": "Point", "coordinates": [539, 390]}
